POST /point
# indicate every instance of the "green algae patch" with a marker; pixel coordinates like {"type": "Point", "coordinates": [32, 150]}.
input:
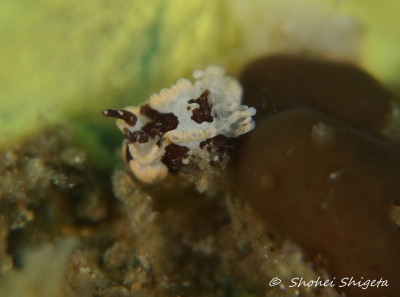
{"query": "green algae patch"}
{"type": "Point", "coordinates": [77, 58]}
{"type": "Point", "coordinates": [381, 27]}
{"type": "Point", "coordinates": [74, 57]}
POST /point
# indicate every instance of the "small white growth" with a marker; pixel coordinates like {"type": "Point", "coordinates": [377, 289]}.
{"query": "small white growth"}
{"type": "Point", "coordinates": [321, 133]}
{"type": "Point", "coordinates": [335, 175]}
{"type": "Point", "coordinates": [209, 107]}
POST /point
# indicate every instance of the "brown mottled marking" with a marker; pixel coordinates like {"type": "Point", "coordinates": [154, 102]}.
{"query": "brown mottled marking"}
{"type": "Point", "coordinates": [203, 112]}
{"type": "Point", "coordinates": [137, 136]}
{"type": "Point", "coordinates": [149, 112]}
{"type": "Point", "coordinates": [174, 154]}
{"type": "Point", "coordinates": [121, 114]}
{"type": "Point", "coordinates": [142, 137]}
{"type": "Point", "coordinates": [218, 142]}
{"type": "Point", "coordinates": [161, 122]}
{"type": "Point", "coordinates": [127, 154]}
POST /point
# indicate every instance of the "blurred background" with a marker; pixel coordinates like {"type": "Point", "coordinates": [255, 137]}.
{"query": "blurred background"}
{"type": "Point", "coordinates": [65, 61]}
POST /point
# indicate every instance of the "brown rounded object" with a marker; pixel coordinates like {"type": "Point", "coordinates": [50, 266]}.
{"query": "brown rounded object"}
{"type": "Point", "coordinates": [329, 188]}
{"type": "Point", "coordinates": [340, 90]}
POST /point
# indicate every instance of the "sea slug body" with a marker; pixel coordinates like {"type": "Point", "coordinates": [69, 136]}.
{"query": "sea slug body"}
{"type": "Point", "coordinates": [185, 128]}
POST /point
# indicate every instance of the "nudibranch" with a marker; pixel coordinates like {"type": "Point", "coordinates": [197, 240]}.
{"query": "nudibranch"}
{"type": "Point", "coordinates": [185, 128]}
